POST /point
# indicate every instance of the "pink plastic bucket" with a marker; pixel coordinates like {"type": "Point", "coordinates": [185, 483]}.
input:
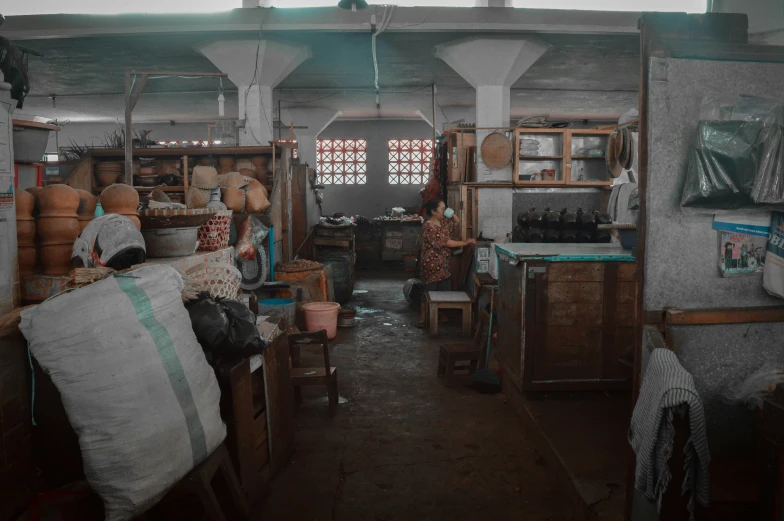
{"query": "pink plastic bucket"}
{"type": "Point", "coordinates": [322, 315]}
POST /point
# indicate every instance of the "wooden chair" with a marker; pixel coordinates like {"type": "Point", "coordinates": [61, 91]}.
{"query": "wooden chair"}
{"type": "Point", "coordinates": [199, 482]}
{"type": "Point", "coordinates": [301, 376]}
{"type": "Point", "coordinates": [474, 353]}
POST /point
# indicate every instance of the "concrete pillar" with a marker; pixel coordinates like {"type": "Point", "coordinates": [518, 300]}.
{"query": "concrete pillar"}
{"type": "Point", "coordinates": [256, 68]}
{"type": "Point", "coordinates": [316, 120]}
{"type": "Point", "coordinates": [491, 66]}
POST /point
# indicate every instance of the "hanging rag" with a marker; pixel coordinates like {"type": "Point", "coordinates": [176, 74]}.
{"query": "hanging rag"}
{"type": "Point", "coordinates": [668, 388]}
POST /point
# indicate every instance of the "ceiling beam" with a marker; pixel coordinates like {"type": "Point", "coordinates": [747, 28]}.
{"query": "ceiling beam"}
{"type": "Point", "coordinates": [406, 19]}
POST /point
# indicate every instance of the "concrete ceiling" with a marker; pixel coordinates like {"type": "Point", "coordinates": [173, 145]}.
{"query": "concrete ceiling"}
{"type": "Point", "coordinates": [582, 75]}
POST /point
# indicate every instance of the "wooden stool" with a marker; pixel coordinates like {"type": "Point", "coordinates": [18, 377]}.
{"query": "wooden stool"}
{"type": "Point", "coordinates": [452, 353]}
{"type": "Point", "coordinates": [199, 482]}
{"type": "Point", "coordinates": [448, 300]}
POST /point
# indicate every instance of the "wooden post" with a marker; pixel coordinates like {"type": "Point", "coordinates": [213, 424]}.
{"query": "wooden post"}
{"type": "Point", "coordinates": [128, 130]}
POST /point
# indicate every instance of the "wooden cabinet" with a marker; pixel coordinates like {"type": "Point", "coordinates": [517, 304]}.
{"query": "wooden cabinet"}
{"type": "Point", "coordinates": [567, 325]}
{"type": "Point", "coordinates": [560, 157]}
{"type": "Point", "coordinates": [463, 200]}
{"type": "Point", "coordinates": [461, 155]}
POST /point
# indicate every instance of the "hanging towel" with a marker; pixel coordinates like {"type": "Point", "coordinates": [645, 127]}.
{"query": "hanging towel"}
{"type": "Point", "coordinates": [668, 388]}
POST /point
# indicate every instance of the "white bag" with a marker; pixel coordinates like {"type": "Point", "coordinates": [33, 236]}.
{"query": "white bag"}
{"type": "Point", "coordinates": [134, 381]}
{"type": "Point", "coordinates": [773, 273]}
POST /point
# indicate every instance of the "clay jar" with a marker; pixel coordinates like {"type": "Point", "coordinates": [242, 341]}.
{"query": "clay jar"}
{"type": "Point", "coordinates": [226, 164]}
{"type": "Point", "coordinates": [58, 227]}
{"type": "Point", "coordinates": [25, 232]}
{"type": "Point", "coordinates": [35, 191]}
{"type": "Point", "coordinates": [86, 210]}
{"type": "Point", "coordinates": [123, 200]}
{"type": "Point", "coordinates": [261, 165]}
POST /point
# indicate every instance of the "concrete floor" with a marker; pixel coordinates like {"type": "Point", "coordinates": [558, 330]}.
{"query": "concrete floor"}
{"type": "Point", "coordinates": [404, 445]}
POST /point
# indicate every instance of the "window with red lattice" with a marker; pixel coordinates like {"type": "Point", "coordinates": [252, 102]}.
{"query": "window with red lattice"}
{"type": "Point", "coordinates": [409, 161]}
{"type": "Point", "coordinates": [342, 161]}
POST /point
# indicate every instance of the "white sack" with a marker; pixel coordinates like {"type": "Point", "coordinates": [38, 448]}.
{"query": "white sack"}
{"type": "Point", "coordinates": [134, 381]}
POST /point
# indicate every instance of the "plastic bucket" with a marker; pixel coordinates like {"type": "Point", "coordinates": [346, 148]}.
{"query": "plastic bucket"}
{"type": "Point", "coordinates": [322, 315]}
{"type": "Point", "coordinates": [285, 306]}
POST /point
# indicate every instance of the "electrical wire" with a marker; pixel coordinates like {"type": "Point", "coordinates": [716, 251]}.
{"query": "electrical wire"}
{"type": "Point", "coordinates": [253, 82]}
{"type": "Point", "coordinates": [385, 20]}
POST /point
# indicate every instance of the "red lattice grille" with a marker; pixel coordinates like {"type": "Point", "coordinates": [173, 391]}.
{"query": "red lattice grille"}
{"type": "Point", "coordinates": [409, 161]}
{"type": "Point", "coordinates": [342, 161]}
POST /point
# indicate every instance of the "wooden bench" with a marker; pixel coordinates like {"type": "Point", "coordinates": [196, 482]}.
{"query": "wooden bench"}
{"type": "Point", "coordinates": [449, 300]}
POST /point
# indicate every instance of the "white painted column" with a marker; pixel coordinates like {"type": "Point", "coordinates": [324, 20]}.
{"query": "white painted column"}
{"type": "Point", "coordinates": [256, 67]}
{"type": "Point", "coordinates": [491, 66]}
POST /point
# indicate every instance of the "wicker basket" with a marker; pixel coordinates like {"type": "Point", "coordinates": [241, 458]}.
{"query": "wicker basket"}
{"type": "Point", "coordinates": [214, 235]}
{"type": "Point", "coordinates": [219, 278]}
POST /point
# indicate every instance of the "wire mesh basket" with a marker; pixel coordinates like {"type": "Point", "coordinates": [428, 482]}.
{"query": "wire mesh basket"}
{"type": "Point", "coordinates": [219, 278]}
{"type": "Point", "coordinates": [214, 235]}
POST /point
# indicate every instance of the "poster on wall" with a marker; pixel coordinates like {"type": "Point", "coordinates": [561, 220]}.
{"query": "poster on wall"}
{"type": "Point", "coordinates": [742, 243]}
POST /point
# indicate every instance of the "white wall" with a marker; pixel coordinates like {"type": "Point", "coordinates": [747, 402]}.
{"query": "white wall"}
{"type": "Point", "coordinates": [370, 200]}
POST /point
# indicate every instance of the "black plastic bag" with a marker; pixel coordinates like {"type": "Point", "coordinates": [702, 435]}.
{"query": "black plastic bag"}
{"type": "Point", "coordinates": [225, 328]}
{"type": "Point", "coordinates": [723, 165]}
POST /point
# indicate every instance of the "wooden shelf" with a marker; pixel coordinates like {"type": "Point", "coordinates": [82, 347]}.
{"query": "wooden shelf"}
{"type": "Point", "coordinates": [543, 184]}
{"type": "Point", "coordinates": [540, 157]}
{"type": "Point", "coordinates": [183, 151]}
{"type": "Point", "coordinates": [100, 189]}
{"type": "Point", "coordinates": [588, 183]}
{"type": "Point", "coordinates": [587, 157]}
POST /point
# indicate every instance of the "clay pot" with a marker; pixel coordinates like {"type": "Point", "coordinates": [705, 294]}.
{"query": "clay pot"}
{"type": "Point", "coordinates": [25, 205]}
{"type": "Point", "coordinates": [226, 165]}
{"type": "Point", "coordinates": [108, 178]}
{"type": "Point", "coordinates": [25, 233]}
{"type": "Point", "coordinates": [35, 192]}
{"type": "Point", "coordinates": [148, 170]}
{"type": "Point", "coordinates": [86, 210]}
{"type": "Point", "coordinates": [205, 161]}
{"type": "Point", "coordinates": [259, 161]}
{"type": "Point", "coordinates": [26, 257]}
{"type": "Point", "coordinates": [56, 258]}
{"type": "Point", "coordinates": [58, 201]}
{"type": "Point", "coordinates": [234, 199]}
{"type": "Point", "coordinates": [123, 200]}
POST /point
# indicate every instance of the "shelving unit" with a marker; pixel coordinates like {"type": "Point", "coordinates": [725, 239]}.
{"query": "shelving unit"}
{"type": "Point", "coordinates": [83, 175]}
{"type": "Point", "coordinates": [566, 152]}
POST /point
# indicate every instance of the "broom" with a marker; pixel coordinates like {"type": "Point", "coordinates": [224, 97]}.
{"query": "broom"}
{"type": "Point", "coordinates": [486, 380]}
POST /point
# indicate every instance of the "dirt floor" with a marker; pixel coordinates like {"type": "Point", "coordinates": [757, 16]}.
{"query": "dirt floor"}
{"type": "Point", "coordinates": [404, 445]}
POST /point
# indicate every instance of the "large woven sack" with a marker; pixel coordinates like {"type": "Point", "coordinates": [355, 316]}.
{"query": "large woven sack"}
{"type": "Point", "coordinates": [134, 381]}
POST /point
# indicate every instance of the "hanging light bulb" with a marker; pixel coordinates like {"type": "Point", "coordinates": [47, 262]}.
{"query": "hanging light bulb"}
{"type": "Point", "coordinates": [221, 100]}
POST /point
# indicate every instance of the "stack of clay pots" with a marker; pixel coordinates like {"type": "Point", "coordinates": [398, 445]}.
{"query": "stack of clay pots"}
{"type": "Point", "coordinates": [58, 227]}
{"type": "Point", "coordinates": [261, 166]}
{"type": "Point", "coordinates": [86, 210]}
{"type": "Point", "coordinates": [123, 200]}
{"type": "Point", "coordinates": [227, 165]}
{"type": "Point", "coordinates": [25, 232]}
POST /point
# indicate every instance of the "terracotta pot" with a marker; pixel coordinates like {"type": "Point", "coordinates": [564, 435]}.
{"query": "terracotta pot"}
{"type": "Point", "coordinates": [205, 161]}
{"type": "Point", "coordinates": [25, 233]}
{"type": "Point", "coordinates": [233, 198]}
{"type": "Point", "coordinates": [87, 204]}
{"type": "Point", "coordinates": [123, 200]}
{"type": "Point", "coordinates": [226, 161]}
{"type": "Point", "coordinates": [58, 230]}
{"type": "Point", "coordinates": [108, 178]}
{"type": "Point", "coordinates": [25, 205]}
{"type": "Point", "coordinates": [259, 161]}
{"type": "Point", "coordinates": [26, 257]}
{"type": "Point", "coordinates": [56, 259]}
{"type": "Point", "coordinates": [58, 201]}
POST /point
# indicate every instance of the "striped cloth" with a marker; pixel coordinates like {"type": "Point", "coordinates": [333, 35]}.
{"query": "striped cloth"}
{"type": "Point", "coordinates": [668, 388]}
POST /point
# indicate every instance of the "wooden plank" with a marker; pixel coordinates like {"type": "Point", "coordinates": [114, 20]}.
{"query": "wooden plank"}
{"type": "Point", "coordinates": [576, 292]}
{"type": "Point", "coordinates": [627, 271]}
{"type": "Point", "coordinates": [569, 353]}
{"type": "Point", "coordinates": [510, 313]}
{"type": "Point", "coordinates": [331, 242]}
{"type": "Point", "coordinates": [575, 271]}
{"type": "Point", "coordinates": [571, 314]}
{"type": "Point", "coordinates": [191, 151]}
{"type": "Point", "coordinates": [299, 211]}
{"type": "Point", "coordinates": [693, 317]}
{"type": "Point", "coordinates": [280, 402]}
{"type": "Point", "coordinates": [624, 312]}
{"type": "Point", "coordinates": [610, 307]}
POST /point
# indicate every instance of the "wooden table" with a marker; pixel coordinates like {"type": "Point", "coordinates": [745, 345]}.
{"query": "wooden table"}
{"type": "Point", "coordinates": [449, 300]}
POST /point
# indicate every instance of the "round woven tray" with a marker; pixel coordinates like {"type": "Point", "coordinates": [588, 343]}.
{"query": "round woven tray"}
{"type": "Point", "coordinates": [496, 150]}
